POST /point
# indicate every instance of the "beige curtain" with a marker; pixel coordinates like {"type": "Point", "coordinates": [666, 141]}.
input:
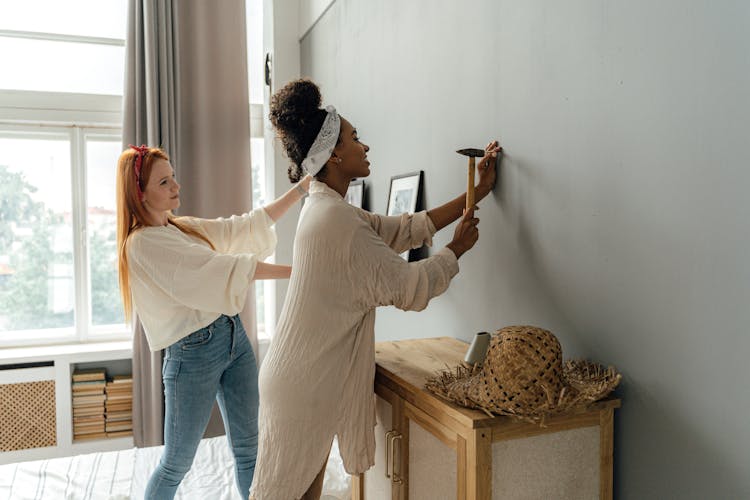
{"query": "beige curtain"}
{"type": "Point", "coordinates": [186, 90]}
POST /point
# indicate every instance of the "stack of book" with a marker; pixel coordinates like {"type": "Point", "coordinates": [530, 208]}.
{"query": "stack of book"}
{"type": "Point", "coordinates": [88, 404]}
{"type": "Point", "coordinates": [119, 406]}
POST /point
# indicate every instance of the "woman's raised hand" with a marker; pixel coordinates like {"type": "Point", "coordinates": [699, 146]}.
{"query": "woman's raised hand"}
{"type": "Point", "coordinates": [486, 167]}
{"type": "Point", "coordinates": [305, 182]}
{"type": "Point", "coordinates": [466, 234]}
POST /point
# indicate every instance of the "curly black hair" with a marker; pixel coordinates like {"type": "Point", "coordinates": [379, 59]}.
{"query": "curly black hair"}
{"type": "Point", "coordinates": [297, 117]}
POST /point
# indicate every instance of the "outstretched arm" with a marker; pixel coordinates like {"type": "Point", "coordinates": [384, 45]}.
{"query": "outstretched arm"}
{"type": "Point", "coordinates": [280, 205]}
{"type": "Point", "coordinates": [449, 212]}
{"type": "Point", "coordinates": [264, 271]}
{"type": "Point", "coordinates": [384, 278]}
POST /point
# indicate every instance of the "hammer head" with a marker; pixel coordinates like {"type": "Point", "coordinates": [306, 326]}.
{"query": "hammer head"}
{"type": "Point", "coordinates": [471, 152]}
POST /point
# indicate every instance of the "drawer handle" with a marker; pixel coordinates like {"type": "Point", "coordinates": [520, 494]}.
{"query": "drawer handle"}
{"type": "Point", "coordinates": [396, 475]}
{"type": "Point", "coordinates": [388, 444]}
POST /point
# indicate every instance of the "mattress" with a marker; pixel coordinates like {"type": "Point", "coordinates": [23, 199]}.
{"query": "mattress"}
{"type": "Point", "coordinates": [121, 475]}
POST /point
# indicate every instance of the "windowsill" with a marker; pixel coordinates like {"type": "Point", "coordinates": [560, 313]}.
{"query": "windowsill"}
{"type": "Point", "coordinates": [13, 355]}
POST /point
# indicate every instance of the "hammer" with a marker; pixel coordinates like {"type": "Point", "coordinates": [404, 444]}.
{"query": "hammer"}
{"type": "Point", "coordinates": [471, 153]}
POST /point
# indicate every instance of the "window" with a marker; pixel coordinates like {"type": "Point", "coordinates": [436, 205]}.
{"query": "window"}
{"type": "Point", "coordinates": [59, 143]}
{"type": "Point", "coordinates": [58, 261]}
{"type": "Point", "coordinates": [264, 289]}
{"type": "Point", "coordinates": [101, 153]}
{"type": "Point", "coordinates": [60, 139]}
{"type": "Point", "coordinates": [74, 46]}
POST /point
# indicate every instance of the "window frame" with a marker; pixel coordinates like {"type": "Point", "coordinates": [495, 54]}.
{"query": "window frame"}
{"type": "Point", "coordinates": [76, 118]}
{"type": "Point", "coordinates": [61, 37]}
{"type": "Point", "coordinates": [65, 38]}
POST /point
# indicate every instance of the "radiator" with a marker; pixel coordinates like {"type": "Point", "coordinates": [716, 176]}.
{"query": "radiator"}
{"type": "Point", "coordinates": [28, 415]}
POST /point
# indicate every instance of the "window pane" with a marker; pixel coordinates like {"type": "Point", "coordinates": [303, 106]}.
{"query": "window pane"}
{"type": "Point", "coordinates": [101, 159]}
{"type": "Point", "coordinates": [61, 66]}
{"type": "Point", "coordinates": [255, 57]}
{"type": "Point", "coordinates": [258, 161]}
{"type": "Point", "coordinates": [36, 235]}
{"type": "Point", "coordinates": [260, 313]}
{"type": "Point", "coordinates": [264, 289]}
{"type": "Point", "coordinates": [98, 18]}
{"type": "Point", "coordinates": [258, 169]}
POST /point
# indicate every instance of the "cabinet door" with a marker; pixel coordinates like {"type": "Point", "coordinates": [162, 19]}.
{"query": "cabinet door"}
{"type": "Point", "coordinates": [377, 486]}
{"type": "Point", "coordinates": [432, 465]}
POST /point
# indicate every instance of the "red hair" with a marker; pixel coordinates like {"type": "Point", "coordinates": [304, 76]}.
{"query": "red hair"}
{"type": "Point", "coordinates": [132, 215]}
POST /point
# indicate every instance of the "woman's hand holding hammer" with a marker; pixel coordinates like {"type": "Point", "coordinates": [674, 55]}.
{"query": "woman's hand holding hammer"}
{"type": "Point", "coordinates": [447, 213]}
{"type": "Point", "coordinates": [466, 234]}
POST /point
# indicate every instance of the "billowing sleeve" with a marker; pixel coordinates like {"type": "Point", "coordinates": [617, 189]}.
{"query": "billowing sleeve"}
{"type": "Point", "coordinates": [381, 277]}
{"type": "Point", "coordinates": [248, 233]}
{"type": "Point", "coordinates": [402, 232]}
{"type": "Point", "coordinates": [191, 273]}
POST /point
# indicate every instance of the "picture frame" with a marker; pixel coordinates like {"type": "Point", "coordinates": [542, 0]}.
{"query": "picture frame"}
{"type": "Point", "coordinates": [405, 196]}
{"type": "Point", "coordinates": [355, 194]}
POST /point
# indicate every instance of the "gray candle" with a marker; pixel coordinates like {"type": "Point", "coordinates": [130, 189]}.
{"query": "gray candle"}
{"type": "Point", "coordinates": [478, 348]}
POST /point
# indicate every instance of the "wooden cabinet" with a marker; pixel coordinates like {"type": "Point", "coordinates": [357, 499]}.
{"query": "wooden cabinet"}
{"type": "Point", "coordinates": [430, 449]}
{"type": "Point", "coordinates": [384, 478]}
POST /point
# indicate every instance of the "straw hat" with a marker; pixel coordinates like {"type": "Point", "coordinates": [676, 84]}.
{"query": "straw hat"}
{"type": "Point", "coordinates": [524, 376]}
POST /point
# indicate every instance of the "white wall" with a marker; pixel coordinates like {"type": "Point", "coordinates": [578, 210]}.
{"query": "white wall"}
{"type": "Point", "coordinates": [620, 217]}
{"type": "Point", "coordinates": [309, 13]}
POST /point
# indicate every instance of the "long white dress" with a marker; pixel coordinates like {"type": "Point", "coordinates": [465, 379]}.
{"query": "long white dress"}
{"type": "Point", "coordinates": [317, 379]}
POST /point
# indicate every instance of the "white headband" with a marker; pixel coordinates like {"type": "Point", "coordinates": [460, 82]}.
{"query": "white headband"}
{"type": "Point", "coordinates": [324, 143]}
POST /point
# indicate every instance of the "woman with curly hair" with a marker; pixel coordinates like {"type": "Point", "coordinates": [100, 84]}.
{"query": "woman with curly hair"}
{"type": "Point", "coordinates": [316, 381]}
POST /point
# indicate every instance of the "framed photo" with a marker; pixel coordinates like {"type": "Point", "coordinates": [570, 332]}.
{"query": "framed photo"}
{"type": "Point", "coordinates": [404, 193]}
{"type": "Point", "coordinates": [355, 195]}
{"type": "Point", "coordinates": [405, 196]}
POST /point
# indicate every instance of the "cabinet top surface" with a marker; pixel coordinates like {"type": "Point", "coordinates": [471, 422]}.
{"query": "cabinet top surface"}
{"type": "Point", "coordinates": [407, 364]}
{"type": "Point", "coordinates": [414, 361]}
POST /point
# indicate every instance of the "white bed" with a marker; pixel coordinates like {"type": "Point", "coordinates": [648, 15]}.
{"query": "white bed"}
{"type": "Point", "coordinates": [120, 475]}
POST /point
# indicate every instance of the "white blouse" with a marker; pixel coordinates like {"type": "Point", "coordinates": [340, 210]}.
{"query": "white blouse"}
{"type": "Point", "coordinates": [317, 379]}
{"type": "Point", "coordinates": [179, 284]}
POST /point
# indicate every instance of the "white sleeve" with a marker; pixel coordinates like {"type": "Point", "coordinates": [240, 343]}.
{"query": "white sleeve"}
{"type": "Point", "coordinates": [402, 232]}
{"type": "Point", "coordinates": [248, 233]}
{"type": "Point", "coordinates": [190, 273]}
{"type": "Point", "coordinates": [382, 277]}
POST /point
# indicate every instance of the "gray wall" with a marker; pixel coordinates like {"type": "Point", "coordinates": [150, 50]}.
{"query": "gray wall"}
{"type": "Point", "coordinates": [617, 219]}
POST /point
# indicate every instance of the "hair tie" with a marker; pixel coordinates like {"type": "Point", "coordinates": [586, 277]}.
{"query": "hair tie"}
{"type": "Point", "coordinates": [142, 150]}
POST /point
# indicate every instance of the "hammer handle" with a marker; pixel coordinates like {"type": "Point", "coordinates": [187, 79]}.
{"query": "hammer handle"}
{"type": "Point", "coordinates": [470, 185]}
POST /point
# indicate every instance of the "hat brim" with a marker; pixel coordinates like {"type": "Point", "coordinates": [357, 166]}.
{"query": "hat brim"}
{"type": "Point", "coordinates": [584, 382]}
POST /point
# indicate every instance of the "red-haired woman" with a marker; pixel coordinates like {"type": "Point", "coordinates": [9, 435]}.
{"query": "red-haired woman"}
{"type": "Point", "coordinates": [187, 279]}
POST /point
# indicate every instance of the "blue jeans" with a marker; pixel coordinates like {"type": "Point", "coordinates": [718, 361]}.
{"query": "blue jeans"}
{"type": "Point", "coordinates": [215, 362]}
